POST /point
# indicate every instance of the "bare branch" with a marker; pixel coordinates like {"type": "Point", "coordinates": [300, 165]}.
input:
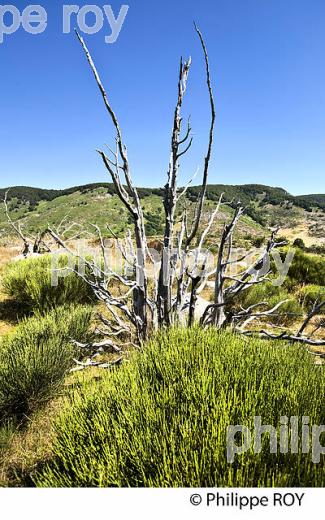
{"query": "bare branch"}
{"type": "Point", "coordinates": [202, 195]}
{"type": "Point", "coordinates": [315, 310]}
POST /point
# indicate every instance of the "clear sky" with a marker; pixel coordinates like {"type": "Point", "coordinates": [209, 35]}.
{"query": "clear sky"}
{"type": "Point", "coordinates": [268, 68]}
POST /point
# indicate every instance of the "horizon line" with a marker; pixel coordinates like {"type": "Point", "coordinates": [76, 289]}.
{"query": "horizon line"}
{"type": "Point", "coordinates": [154, 187]}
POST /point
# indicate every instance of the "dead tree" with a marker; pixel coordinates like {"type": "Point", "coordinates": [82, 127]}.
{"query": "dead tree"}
{"type": "Point", "coordinates": [131, 200]}
{"type": "Point", "coordinates": [161, 305]}
{"type": "Point", "coordinates": [169, 308]}
{"type": "Point", "coordinates": [182, 271]}
{"type": "Point", "coordinates": [170, 201]}
{"type": "Point", "coordinates": [227, 287]}
{"type": "Point", "coordinates": [223, 311]}
{"type": "Point", "coordinates": [299, 336]}
{"type": "Point", "coordinates": [31, 244]}
{"type": "Point", "coordinates": [184, 279]}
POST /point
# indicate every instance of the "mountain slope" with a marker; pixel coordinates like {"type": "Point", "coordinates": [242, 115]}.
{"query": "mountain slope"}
{"type": "Point", "coordinates": [246, 193]}
{"type": "Point", "coordinates": [98, 203]}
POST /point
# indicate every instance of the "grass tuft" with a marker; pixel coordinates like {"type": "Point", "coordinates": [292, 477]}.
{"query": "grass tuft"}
{"type": "Point", "coordinates": [161, 420]}
{"type": "Point", "coordinates": [35, 357]}
{"type": "Point", "coordinates": [29, 283]}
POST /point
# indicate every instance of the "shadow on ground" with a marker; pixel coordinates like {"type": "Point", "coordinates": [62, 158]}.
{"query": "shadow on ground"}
{"type": "Point", "coordinates": [10, 314]}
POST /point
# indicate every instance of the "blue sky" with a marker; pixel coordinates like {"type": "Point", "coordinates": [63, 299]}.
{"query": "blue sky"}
{"type": "Point", "coordinates": [268, 68]}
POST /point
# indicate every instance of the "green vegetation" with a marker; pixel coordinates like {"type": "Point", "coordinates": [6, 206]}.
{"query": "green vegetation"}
{"type": "Point", "coordinates": [162, 419]}
{"type": "Point", "coordinates": [93, 202]}
{"type": "Point", "coordinates": [64, 322]}
{"type": "Point", "coordinates": [299, 243]}
{"type": "Point", "coordinates": [272, 295]}
{"type": "Point", "coordinates": [310, 201]}
{"type": "Point", "coordinates": [34, 359]}
{"type": "Point", "coordinates": [29, 283]}
{"type": "Point", "coordinates": [307, 269]}
{"type": "Point", "coordinates": [304, 285]}
{"type": "Point", "coordinates": [310, 294]}
{"type": "Point", "coordinates": [266, 194]}
{"type": "Point", "coordinates": [35, 195]}
{"type": "Point", "coordinates": [31, 374]}
{"type": "Point", "coordinates": [154, 225]}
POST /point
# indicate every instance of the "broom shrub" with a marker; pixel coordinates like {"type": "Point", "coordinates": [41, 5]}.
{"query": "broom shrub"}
{"type": "Point", "coordinates": [161, 419]}
{"type": "Point", "coordinates": [29, 283]}
{"type": "Point", "coordinates": [35, 358]}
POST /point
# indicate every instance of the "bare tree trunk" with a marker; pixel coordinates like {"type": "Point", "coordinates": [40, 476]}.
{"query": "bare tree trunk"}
{"type": "Point", "coordinates": [219, 317]}
{"type": "Point", "coordinates": [170, 201]}
{"type": "Point", "coordinates": [181, 285]}
{"type": "Point", "coordinates": [133, 206]}
{"type": "Point", "coordinates": [193, 300]}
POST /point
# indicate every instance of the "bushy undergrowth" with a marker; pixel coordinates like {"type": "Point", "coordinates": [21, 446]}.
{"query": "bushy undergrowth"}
{"type": "Point", "coordinates": [35, 358]}
{"type": "Point", "coordinates": [161, 420]}
{"type": "Point", "coordinates": [29, 282]}
{"type": "Point", "coordinates": [272, 295]}
{"type": "Point", "coordinates": [310, 294]}
{"type": "Point", "coordinates": [307, 269]}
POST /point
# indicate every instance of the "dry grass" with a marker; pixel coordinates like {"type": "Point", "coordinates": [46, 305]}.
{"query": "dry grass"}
{"type": "Point", "coordinates": [29, 447]}
{"type": "Point", "coordinates": [301, 231]}
{"type": "Point", "coordinates": [7, 253]}
{"type": "Point", "coordinates": [5, 328]}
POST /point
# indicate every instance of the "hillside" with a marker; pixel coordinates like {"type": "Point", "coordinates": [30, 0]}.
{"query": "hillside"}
{"type": "Point", "coordinates": [265, 206]}
{"type": "Point", "coordinates": [246, 193]}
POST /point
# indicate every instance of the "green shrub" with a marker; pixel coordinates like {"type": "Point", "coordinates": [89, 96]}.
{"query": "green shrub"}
{"type": "Point", "coordinates": [161, 420]}
{"type": "Point", "coordinates": [29, 283]}
{"type": "Point", "coordinates": [29, 376]}
{"type": "Point", "coordinates": [64, 322]}
{"type": "Point", "coordinates": [258, 241]}
{"type": "Point", "coordinates": [307, 269]}
{"type": "Point", "coordinates": [153, 225]}
{"type": "Point", "coordinates": [267, 292]}
{"type": "Point", "coordinates": [35, 358]}
{"type": "Point", "coordinates": [310, 294]}
{"type": "Point", "coordinates": [299, 243]}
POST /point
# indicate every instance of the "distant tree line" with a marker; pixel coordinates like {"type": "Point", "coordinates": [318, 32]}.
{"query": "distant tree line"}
{"type": "Point", "coordinates": [245, 193]}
